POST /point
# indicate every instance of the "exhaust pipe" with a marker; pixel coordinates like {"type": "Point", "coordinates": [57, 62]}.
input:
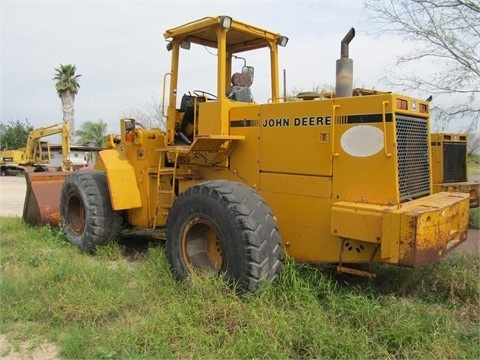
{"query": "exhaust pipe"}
{"type": "Point", "coordinates": [344, 70]}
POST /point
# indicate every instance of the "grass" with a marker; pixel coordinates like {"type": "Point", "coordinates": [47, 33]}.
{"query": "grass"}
{"type": "Point", "coordinates": [122, 302]}
{"type": "Point", "coordinates": [474, 174]}
{"type": "Point", "coordinates": [474, 219]}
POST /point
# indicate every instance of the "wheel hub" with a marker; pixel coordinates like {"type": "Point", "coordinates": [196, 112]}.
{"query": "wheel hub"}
{"type": "Point", "coordinates": [76, 214]}
{"type": "Point", "coordinates": [203, 250]}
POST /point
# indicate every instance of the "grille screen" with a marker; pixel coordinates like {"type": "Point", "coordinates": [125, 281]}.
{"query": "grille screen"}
{"type": "Point", "coordinates": [413, 158]}
{"type": "Point", "coordinates": [454, 161]}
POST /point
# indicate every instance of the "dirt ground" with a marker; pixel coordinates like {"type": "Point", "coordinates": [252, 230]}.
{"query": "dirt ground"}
{"type": "Point", "coordinates": [24, 351]}
{"type": "Point", "coordinates": [12, 196]}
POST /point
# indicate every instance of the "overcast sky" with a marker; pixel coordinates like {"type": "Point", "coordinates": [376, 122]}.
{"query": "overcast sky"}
{"type": "Point", "coordinates": [119, 49]}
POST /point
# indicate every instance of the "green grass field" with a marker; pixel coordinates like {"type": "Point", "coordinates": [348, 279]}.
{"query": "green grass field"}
{"type": "Point", "coordinates": [123, 303]}
{"type": "Point", "coordinates": [474, 175]}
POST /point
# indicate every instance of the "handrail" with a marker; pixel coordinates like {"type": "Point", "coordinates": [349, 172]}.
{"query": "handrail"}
{"type": "Point", "coordinates": [194, 119]}
{"type": "Point", "coordinates": [333, 129]}
{"type": "Point", "coordinates": [163, 94]}
{"type": "Point", "coordinates": [384, 120]}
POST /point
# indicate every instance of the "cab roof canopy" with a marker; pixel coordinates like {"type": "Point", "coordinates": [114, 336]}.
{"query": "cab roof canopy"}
{"type": "Point", "coordinates": [240, 36]}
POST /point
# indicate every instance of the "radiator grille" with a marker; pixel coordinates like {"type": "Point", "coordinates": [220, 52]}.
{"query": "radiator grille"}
{"type": "Point", "coordinates": [454, 162]}
{"type": "Point", "coordinates": [413, 157]}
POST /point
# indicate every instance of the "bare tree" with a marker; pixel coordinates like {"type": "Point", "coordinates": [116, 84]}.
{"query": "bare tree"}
{"type": "Point", "coordinates": [447, 36]}
{"type": "Point", "coordinates": [151, 116]}
{"type": "Point", "coordinates": [473, 143]}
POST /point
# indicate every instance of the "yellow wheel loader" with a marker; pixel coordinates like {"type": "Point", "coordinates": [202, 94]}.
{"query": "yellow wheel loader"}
{"type": "Point", "coordinates": [235, 185]}
{"type": "Point", "coordinates": [449, 166]}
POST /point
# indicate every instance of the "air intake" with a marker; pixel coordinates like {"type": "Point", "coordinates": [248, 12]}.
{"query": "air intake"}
{"type": "Point", "coordinates": [413, 157]}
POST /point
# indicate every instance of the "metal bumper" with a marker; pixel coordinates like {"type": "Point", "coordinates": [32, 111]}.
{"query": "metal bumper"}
{"type": "Point", "coordinates": [411, 234]}
{"type": "Point", "coordinates": [473, 188]}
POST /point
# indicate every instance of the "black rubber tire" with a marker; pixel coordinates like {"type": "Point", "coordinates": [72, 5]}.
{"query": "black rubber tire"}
{"type": "Point", "coordinates": [224, 228]}
{"type": "Point", "coordinates": [87, 215]}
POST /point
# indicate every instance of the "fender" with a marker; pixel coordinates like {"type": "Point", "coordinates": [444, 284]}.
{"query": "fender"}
{"type": "Point", "coordinates": [122, 182]}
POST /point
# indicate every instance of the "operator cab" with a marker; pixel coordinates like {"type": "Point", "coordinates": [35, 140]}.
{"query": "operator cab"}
{"type": "Point", "coordinates": [218, 41]}
{"type": "Point", "coordinates": [189, 110]}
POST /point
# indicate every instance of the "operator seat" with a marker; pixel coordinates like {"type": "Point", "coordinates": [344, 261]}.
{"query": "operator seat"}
{"type": "Point", "coordinates": [240, 88]}
{"type": "Point", "coordinates": [187, 106]}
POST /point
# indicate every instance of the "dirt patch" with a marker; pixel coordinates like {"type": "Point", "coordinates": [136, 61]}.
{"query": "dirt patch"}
{"type": "Point", "coordinates": [25, 351]}
{"type": "Point", "coordinates": [12, 195]}
{"type": "Point", "coordinates": [472, 244]}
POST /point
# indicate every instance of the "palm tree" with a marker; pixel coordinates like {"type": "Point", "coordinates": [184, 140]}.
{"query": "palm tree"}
{"type": "Point", "coordinates": [92, 133]}
{"type": "Point", "coordinates": [67, 87]}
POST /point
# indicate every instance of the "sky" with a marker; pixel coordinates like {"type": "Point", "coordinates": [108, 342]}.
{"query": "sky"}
{"type": "Point", "coordinates": [119, 49]}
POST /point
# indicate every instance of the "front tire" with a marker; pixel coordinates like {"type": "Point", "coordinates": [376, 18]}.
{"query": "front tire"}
{"type": "Point", "coordinates": [224, 228]}
{"type": "Point", "coordinates": [87, 215]}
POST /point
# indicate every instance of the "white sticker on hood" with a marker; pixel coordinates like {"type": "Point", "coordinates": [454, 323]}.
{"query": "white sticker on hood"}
{"type": "Point", "coordinates": [362, 141]}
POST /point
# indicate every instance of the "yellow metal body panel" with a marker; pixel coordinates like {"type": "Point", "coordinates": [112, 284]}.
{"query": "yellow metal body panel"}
{"type": "Point", "coordinates": [302, 185]}
{"type": "Point", "coordinates": [209, 115]}
{"type": "Point", "coordinates": [304, 223]}
{"type": "Point", "coordinates": [12, 156]}
{"type": "Point", "coordinates": [291, 133]}
{"type": "Point", "coordinates": [134, 182]}
{"type": "Point", "coordinates": [245, 121]}
{"type": "Point", "coordinates": [357, 221]}
{"type": "Point", "coordinates": [124, 194]}
{"type": "Point", "coordinates": [355, 167]}
{"type": "Point", "coordinates": [437, 158]}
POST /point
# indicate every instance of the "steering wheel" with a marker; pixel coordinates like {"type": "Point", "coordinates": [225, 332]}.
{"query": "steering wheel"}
{"type": "Point", "coordinates": [205, 94]}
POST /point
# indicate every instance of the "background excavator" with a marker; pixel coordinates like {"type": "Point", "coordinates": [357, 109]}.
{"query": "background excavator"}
{"type": "Point", "coordinates": [36, 153]}
{"type": "Point", "coordinates": [43, 185]}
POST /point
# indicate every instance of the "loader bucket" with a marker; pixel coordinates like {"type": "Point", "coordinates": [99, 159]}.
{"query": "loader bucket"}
{"type": "Point", "coordinates": [42, 199]}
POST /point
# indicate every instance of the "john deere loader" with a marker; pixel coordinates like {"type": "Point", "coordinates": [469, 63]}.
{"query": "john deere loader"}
{"type": "Point", "coordinates": [449, 166]}
{"type": "Point", "coordinates": [235, 185]}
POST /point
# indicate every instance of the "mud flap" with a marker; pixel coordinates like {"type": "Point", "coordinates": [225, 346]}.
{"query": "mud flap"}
{"type": "Point", "coordinates": [42, 198]}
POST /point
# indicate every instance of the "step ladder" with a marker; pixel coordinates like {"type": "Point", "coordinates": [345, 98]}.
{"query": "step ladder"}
{"type": "Point", "coordinates": [165, 197]}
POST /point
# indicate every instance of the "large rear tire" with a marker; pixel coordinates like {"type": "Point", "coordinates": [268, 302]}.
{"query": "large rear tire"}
{"type": "Point", "coordinates": [87, 215]}
{"type": "Point", "coordinates": [224, 228]}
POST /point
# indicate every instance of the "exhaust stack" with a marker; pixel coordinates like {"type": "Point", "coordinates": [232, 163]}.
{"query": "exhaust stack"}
{"type": "Point", "coordinates": [344, 71]}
